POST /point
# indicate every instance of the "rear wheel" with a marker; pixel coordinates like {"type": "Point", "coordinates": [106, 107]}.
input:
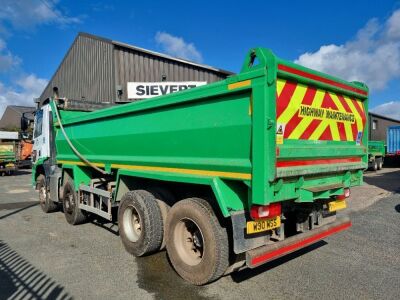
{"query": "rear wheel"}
{"type": "Point", "coordinates": [140, 223]}
{"type": "Point", "coordinates": [73, 214]}
{"type": "Point", "coordinates": [197, 244]}
{"type": "Point", "coordinates": [164, 200]}
{"type": "Point", "coordinates": [45, 203]}
{"type": "Point", "coordinates": [379, 162]}
{"type": "Point", "coordinates": [374, 165]}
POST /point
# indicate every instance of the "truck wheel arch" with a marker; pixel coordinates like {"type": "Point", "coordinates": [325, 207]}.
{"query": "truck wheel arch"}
{"type": "Point", "coordinates": [38, 170]}
{"type": "Point", "coordinates": [79, 175]}
{"type": "Point", "coordinates": [224, 192]}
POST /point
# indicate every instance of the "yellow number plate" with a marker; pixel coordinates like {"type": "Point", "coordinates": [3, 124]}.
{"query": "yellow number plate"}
{"type": "Point", "coordinates": [263, 225]}
{"type": "Point", "coordinates": [337, 205]}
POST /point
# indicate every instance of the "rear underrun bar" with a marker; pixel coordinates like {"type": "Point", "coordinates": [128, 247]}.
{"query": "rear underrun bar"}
{"type": "Point", "coordinates": [268, 253]}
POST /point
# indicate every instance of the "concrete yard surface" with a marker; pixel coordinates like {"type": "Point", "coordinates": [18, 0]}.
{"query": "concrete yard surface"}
{"type": "Point", "coordinates": [42, 257]}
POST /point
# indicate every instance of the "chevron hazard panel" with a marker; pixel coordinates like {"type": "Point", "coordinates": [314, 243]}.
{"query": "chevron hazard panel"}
{"type": "Point", "coordinates": [309, 113]}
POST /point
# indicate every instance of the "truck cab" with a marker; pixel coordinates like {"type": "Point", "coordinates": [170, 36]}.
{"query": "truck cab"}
{"type": "Point", "coordinates": [41, 134]}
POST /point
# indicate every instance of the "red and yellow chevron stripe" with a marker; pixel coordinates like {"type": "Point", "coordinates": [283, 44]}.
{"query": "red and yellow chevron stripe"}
{"type": "Point", "coordinates": [308, 113]}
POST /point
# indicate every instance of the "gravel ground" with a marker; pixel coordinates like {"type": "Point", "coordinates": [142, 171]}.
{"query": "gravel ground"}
{"type": "Point", "coordinates": [41, 256]}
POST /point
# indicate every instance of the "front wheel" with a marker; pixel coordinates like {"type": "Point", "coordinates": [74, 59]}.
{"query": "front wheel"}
{"type": "Point", "coordinates": [197, 244]}
{"type": "Point", "coordinates": [45, 203]}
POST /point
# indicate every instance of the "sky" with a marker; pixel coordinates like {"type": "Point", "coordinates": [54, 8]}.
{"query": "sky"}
{"type": "Point", "coordinates": [355, 40]}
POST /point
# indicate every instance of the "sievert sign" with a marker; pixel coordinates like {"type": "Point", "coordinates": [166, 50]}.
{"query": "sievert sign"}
{"type": "Point", "coordinates": [143, 90]}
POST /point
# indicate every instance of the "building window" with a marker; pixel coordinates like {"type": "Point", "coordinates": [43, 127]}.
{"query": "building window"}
{"type": "Point", "coordinates": [374, 124]}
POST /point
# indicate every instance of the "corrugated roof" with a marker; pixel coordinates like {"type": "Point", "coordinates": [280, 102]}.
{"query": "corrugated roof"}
{"type": "Point", "coordinates": [151, 52]}
{"type": "Point", "coordinates": [107, 92]}
{"type": "Point", "coordinates": [383, 117]}
{"type": "Point", "coordinates": [21, 109]}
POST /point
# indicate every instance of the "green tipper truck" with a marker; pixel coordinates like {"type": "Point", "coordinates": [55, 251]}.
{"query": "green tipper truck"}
{"type": "Point", "coordinates": [227, 175]}
{"type": "Point", "coordinates": [7, 158]}
{"type": "Point", "coordinates": [376, 154]}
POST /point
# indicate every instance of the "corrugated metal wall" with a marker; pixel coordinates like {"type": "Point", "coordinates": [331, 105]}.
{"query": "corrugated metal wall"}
{"type": "Point", "coordinates": [86, 71]}
{"type": "Point", "coordinates": [393, 139]}
{"type": "Point", "coordinates": [135, 66]}
{"type": "Point", "coordinates": [94, 67]}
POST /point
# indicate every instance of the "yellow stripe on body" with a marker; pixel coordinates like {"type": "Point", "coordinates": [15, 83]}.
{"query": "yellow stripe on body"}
{"type": "Point", "coordinates": [355, 112]}
{"type": "Point", "coordinates": [280, 84]}
{"type": "Point", "coordinates": [235, 175]}
{"type": "Point", "coordinates": [306, 121]}
{"type": "Point", "coordinates": [79, 163]}
{"type": "Point", "coordinates": [347, 126]}
{"type": "Point", "coordinates": [294, 104]}
{"type": "Point", "coordinates": [185, 171]}
{"type": "Point", "coordinates": [239, 84]}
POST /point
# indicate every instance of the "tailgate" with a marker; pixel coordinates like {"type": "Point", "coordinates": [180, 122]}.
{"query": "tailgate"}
{"type": "Point", "coordinates": [376, 148]}
{"type": "Point", "coordinates": [321, 123]}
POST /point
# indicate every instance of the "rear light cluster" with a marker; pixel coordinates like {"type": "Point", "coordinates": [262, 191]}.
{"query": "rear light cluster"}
{"type": "Point", "coordinates": [265, 211]}
{"type": "Point", "coordinates": [345, 195]}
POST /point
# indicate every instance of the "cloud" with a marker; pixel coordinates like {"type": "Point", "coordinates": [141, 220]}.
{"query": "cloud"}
{"type": "Point", "coordinates": [22, 91]}
{"type": "Point", "coordinates": [393, 25]}
{"type": "Point", "coordinates": [27, 14]}
{"type": "Point", "coordinates": [17, 16]}
{"type": "Point", "coordinates": [390, 109]}
{"type": "Point", "coordinates": [373, 56]}
{"type": "Point", "coordinates": [176, 46]}
{"type": "Point", "coordinates": [7, 59]}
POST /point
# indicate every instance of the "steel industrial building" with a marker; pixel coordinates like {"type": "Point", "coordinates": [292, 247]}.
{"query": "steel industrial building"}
{"type": "Point", "coordinates": [378, 125]}
{"type": "Point", "coordinates": [98, 69]}
{"type": "Point", "coordinates": [11, 119]}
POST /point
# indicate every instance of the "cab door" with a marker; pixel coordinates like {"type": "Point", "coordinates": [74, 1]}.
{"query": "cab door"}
{"type": "Point", "coordinates": [41, 136]}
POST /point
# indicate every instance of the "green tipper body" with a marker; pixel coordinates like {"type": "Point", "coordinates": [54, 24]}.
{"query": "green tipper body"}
{"type": "Point", "coordinates": [7, 153]}
{"type": "Point", "coordinates": [376, 148]}
{"type": "Point", "coordinates": [255, 138]}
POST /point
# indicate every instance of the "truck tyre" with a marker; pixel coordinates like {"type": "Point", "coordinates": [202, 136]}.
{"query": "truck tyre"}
{"type": "Point", "coordinates": [379, 162]}
{"type": "Point", "coordinates": [140, 223]}
{"type": "Point", "coordinates": [197, 244]}
{"type": "Point", "coordinates": [73, 214]}
{"type": "Point", "coordinates": [45, 203]}
{"type": "Point", "coordinates": [164, 200]}
{"type": "Point", "coordinates": [374, 165]}
{"type": "Point", "coordinates": [164, 209]}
